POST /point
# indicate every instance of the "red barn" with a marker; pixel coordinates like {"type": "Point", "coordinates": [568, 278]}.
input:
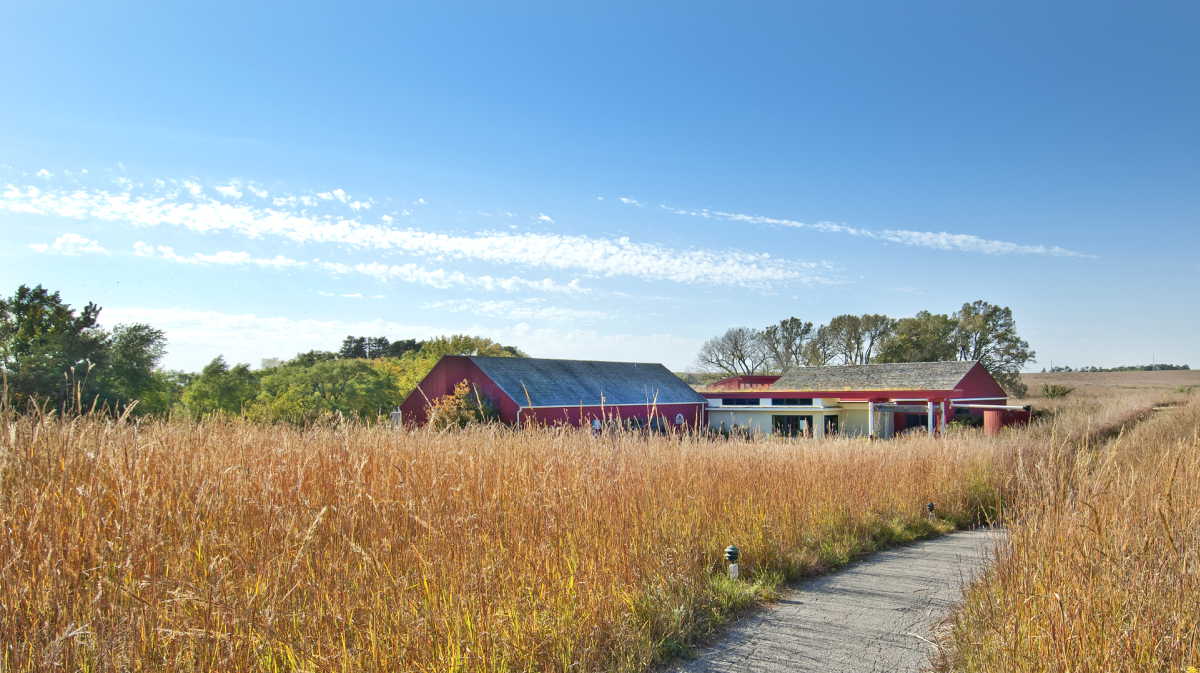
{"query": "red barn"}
{"type": "Point", "coordinates": [571, 392]}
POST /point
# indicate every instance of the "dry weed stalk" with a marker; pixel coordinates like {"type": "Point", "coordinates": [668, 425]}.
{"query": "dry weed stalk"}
{"type": "Point", "coordinates": [1103, 572]}
{"type": "Point", "coordinates": [234, 546]}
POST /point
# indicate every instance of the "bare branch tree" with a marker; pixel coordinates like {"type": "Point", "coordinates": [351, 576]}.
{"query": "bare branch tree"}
{"type": "Point", "coordinates": [739, 351]}
{"type": "Point", "coordinates": [856, 337]}
{"type": "Point", "coordinates": [876, 329]}
{"type": "Point", "coordinates": [786, 343]}
{"type": "Point", "coordinates": [820, 349]}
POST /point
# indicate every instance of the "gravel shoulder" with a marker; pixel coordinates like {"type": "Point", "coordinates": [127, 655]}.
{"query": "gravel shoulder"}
{"type": "Point", "coordinates": [874, 615]}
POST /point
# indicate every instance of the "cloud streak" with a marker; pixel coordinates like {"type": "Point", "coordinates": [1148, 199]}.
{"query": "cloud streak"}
{"type": "Point", "coordinates": [529, 309]}
{"type": "Point", "coordinates": [594, 256]}
{"type": "Point", "coordinates": [70, 245]}
{"type": "Point", "coordinates": [937, 240]}
{"type": "Point", "coordinates": [410, 273]}
{"type": "Point", "coordinates": [196, 337]}
{"type": "Point", "coordinates": [225, 257]}
{"type": "Point", "coordinates": [442, 279]}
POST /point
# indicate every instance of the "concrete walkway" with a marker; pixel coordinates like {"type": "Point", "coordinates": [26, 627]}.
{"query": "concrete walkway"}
{"type": "Point", "coordinates": [874, 615]}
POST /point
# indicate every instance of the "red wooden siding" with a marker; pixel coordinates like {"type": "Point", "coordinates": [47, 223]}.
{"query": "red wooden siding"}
{"type": "Point", "coordinates": [447, 373]}
{"type": "Point", "coordinates": [450, 371]}
{"type": "Point", "coordinates": [693, 414]}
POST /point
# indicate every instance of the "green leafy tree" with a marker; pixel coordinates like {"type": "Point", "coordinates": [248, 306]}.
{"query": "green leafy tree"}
{"type": "Point", "coordinates": [988, 333]}
{"type": "Point", "coordinates": [134, 354]}
{"type": "Point", "coordinates": [48, 350]}
{"type": "Point", "coordinates": [165, 394]}
{"type": "Point", "coordinates": [300, 393]}
{"type": "Point", "coordinates": [404, 373]}
{"type": "Point", "coordinates": [371, 348]}
{"type": "Point", "coordinates": [464, 344]}
{"type": "Point", "coordinates": [312, 357]}
{"type": "Point", "coordinates": [926, 337]}
{"type": "Point", "coordinates": [220, 388]}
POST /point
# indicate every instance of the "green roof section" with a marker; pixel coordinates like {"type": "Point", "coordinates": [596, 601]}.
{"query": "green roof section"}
{"type": "Point", "coordinates": [559, 383]}
{"type": "Point", "coordinates": [897, 376]}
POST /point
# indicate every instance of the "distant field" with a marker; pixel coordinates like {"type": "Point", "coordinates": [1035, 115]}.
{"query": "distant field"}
{"type": "Point", "coordinates": [1094, 383]}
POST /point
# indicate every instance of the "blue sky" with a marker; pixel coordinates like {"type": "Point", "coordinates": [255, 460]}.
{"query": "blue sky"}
{"type": "Point", "coordinates": [605, 180]}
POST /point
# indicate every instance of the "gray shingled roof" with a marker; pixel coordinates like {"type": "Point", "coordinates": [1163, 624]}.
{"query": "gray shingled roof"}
{"type": "Point", "coordinates": [899, 376]}
{"type": "Point", "coordinates": [553, 383]}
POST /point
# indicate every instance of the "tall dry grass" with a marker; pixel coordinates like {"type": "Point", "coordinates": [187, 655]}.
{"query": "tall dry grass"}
{"type": "Point", "coordinates": [1103, 571]}
{"type": "Point", "coordinates": [231, 546]}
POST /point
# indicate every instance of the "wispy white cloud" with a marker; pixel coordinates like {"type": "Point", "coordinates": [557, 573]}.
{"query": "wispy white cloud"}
{"type": "Point", "coordinates": [592, 256]}
{"type": "Point", "coordinates": [674, 351]}
{"type": "Point", "coordinates": [545, 218]}
{"type": "Point", "coordinates": [44, 174]}
{"type": "Point", "coordinates": [632, 202]}
{"type": "Point", "coordinates": [229, 191]}
{"type": "Point", "coordinates": [967, 243]}
{"type": "Point", "coordinates": [196, 337]}
{"type": "Point", "coordinates": [529, 309]}
{"type": "Point", "coordinates": [442, 279]}
{"type": "Point", "coordinates": [928, 239]}
{"type": "Point", "coordinates": [225, 257]}
{"type": "Point", "coordinates": [70, 245]}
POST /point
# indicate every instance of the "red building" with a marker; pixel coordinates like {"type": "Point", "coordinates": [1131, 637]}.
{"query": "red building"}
{"type": "Point", "coordinates": [571, 392]}
{"type": "Point", "coordinates": [877, 400]}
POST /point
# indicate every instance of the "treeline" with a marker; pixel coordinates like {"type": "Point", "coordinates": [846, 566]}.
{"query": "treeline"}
{"type": "Point", "coordinates": [1057, 369]}
{"type": "Point", "coordinates": [53, 355]}
{"type": "Point", "coordinates": [978, 331]}
{"type": "Point", "coordinates": [366, 377]}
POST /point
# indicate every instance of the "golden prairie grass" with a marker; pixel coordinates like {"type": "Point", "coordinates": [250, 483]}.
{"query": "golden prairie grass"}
{"type": "Point", "coordinates": [1103, 570]}
{"type": "Point", "coordinates": [232, 546]}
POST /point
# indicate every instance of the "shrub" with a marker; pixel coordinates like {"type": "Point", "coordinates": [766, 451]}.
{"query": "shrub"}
{"type": "Point", "coordinates": [1055, 390]}
{"type": "Point", "coordinates": [465, 405]}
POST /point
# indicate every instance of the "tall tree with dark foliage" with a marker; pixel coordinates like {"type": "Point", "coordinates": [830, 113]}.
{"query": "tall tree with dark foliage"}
{"type": "Point", "coordinates": [51, 352]}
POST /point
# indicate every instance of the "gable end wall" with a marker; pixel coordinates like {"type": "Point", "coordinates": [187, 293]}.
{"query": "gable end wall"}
{"type": "Point", "coordinates": [447, 373]}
